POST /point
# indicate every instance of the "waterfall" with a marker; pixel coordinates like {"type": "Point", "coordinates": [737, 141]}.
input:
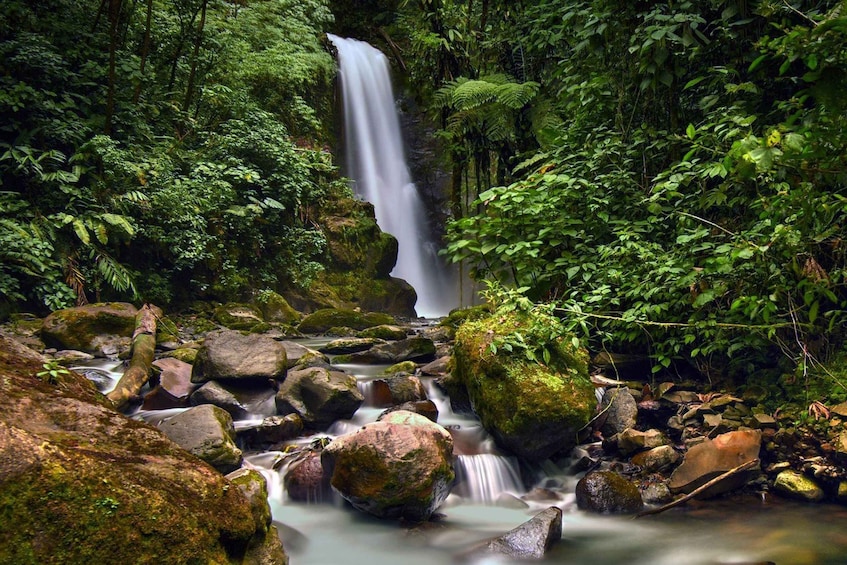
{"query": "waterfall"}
{"type": "Point", "coordinates": [377, 165]}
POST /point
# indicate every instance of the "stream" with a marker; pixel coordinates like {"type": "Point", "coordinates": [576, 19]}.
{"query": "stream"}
{"type": "Point", "coordinates": [485, 502]}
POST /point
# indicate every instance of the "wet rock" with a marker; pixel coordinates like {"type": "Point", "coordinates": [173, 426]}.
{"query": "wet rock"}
{"type": "Point", "coordinates": [272, 430]}
{"type": "Point", "coordinates": [619, 411]}
{"type": "Point", "coordinates": [384, 332]}
{"type": "Point", "coordinates": [401, 467]}
{"type": "Point", "coordinates": [102, 329]}
{"type": "Point", "coordinates": [121, 490]}
{"type": "Point", "coordinates": [711, 458]}
{"type": "Point", "coordinates": [655, 492]}
{"type": "Point", "coordinates": [631, 440]}
{"type": "Point", "coordinates": [298, 355]}
{"type": "Point", "coordinates": [319, 396]}
{"type": "Point", "coordinates": [529, 541]}
{"type": "Point", "coordinates": [605, 492]}
{"type": "Point", "coordinates": [796, 485]}
{"type": "Point", "coordinates": [70, 357]}
{"type": "Point", "coordinates": [322, 320]}
{"type": "Point", "coordinates": [436, 368]}
{"type": "Point", "coordinates": [253, 486]}
{"type": "Point", "coordinates": [228, 354]}
{"type": "Point", "coordinates": [408, 367]}
{"type": "Point", "coordinates": [418, 349]}
{"type": "Point", "coordinates": [657, 459]}
{"type": "Point", "coordinates": [236, 316]}
{"type": "Point", "coordinates": [425, 408]}
{"type": "Point", "coordinates": [349, 345]}
{"type": "Point", "coordinates": [764, 421]}
{"type": "Point", "coordinates": [185, 354]}
{"type": "Point", "coordinates": [305, 480]}
{"type": "Point", "coordinates": [397, 390]}
{"type": "Point", "coordinates": [213, 393]}
{"type": "Point", "coordinates": [530, 409]}
{"type": "Point", "coordinates": [174, 386]}
{"type": "Point", "coordinates": [206, 432]}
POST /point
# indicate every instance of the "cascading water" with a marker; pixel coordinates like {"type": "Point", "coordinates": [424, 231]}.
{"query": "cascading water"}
{"type": "Point", "coordinates": [377, 165]}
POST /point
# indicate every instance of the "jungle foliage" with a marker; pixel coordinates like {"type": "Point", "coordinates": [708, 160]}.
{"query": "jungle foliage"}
{"type": "Point", "coordinates": [669, 175]}
{"type": "Point", "coordinates": [161, 150]}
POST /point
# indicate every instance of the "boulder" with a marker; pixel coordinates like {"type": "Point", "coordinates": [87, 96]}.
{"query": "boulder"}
{"type": "Point", "coordinates": [619, 411]}
{"type": "Point", "coordinates": [796, 485]}
{"type": "Point", "coordinates": [397, 390]}
{"type": "Point", "coordinates": [657, 459]}
{"type": "Point", "coordinates": [419, 349]}
{"type": "Point", "coordinates": [530, 540]}
{"type": "Point", "coordinates": [298, 354]}
{"type": "Point", "coordinates": [237, 316]}
{"type": "Point", "coordinates": [408, 367]}
{"type": "Point", "coordinates": [272, 430]}
{"type": "Point", "coordinates": [276, 309]}
{"type": "Point", "coordinates": [384, 332]}
{"type": "Point", "coordinates": [531, 409]}
{"type": "Point", "coordinates": [319, 396]}
{"type": "Point", "coordinates": [711, 458]}
{"type": "Point", "coordinates": [401, 467]}
{"type": "Point", "coordinates": [605, 492]}
{"type": "Point", "coordinates": [426, 408]}
{"type": "Point", "coordinates": [81, 483]}
{"type": "Point", "coordinates": [228, 354]}
{"type": "Point", "coordinates": [436, 368]}
{"type": "Point", "coordinates": [630, 440]}
{"type": "Point", "coordinates": [213, 393]}
{"type": "Point", "coordinates": [349, 345]}
{"type": "Point", "coordinates": [322, 320]}
{"type": "Point", "coordinates": [306, 481]}
{"type": "Point", "coordinates": [102, 329]}
{"type": "Point", "coordinates": [174, 386]}
{"type": "Point", "coordinates": [253, 486]}
{"type": "Point", "coordinates": [206, 432]}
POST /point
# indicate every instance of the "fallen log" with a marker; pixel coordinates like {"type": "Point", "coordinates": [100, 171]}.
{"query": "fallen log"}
{"type": "Point", "coordinates": [141, 361]}
{"type": "Point", "coordinates": [698, 490]}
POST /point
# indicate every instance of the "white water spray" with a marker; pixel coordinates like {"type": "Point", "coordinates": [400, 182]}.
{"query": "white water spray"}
{"type": "Point", "coordinates": [377, 165]}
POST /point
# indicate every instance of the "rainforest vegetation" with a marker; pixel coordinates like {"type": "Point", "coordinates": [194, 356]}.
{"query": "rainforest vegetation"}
{"type": "Point", "coordinates": [665, 177]}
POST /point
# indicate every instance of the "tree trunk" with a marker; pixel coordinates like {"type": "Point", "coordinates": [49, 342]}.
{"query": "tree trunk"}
{"type": "Point", "coordinates": [143, 348]}
{"type": "Point", "coordinates": [114, 18]}
{"type": "Point", "coordinates": [145, 50]}
{"type": "Point", "coordinates": [192, 75]}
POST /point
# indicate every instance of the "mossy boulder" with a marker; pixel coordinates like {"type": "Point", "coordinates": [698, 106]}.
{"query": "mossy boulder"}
{"type": "Point", "coordinates": [385, 332]}
{"type": "Point", "coordinates": [238, 316]}
{"type": "Point", "coordinates": [401, 367]}
{"type": "Point", "coordinates": [531, 408]}
{"type": "Point", "coordinates": [275, 308]}
{"type": "Point", "coordinates": [420, 349]}
{"type": "Point", "coordinates": [397, 468]}
{"type": "Point", "coordinates": [605, 492]}
{"type": "Point", "coordinates": [81, 483]}
{"type": "Point", "coordinates": [93, 328]}
{"type": "Point", "coordinates": [322, 320]}
{"type": "Point", "coordinates": [796, 485]}
{"type": "Point", "coordinates": [349, 345]}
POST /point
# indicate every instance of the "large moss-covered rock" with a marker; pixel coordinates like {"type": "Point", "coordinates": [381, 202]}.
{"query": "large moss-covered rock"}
{"type": "Point", "coordinates": [531, 409]}
{"type": "Point", "coordinates": [400, 467]}
{"type": "Point", "coordinates": [91, 327]}
{"type": "Point", "coordinates": [275, 308]}
{"type": "Point", "coordinates": [80, 483]}
{"type": "Point", "coordinates": [322, 320]}
{"type": "Point", "coordinates": [237, 316]}
{"type": "Point", "coordinates": [420, 349]}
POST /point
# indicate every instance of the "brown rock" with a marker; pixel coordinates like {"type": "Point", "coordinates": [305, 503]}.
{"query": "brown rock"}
{"type": "Point", "coordinates": [711, 458]}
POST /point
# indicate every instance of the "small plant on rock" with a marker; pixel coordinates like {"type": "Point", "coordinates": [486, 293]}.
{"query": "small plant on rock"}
{"type": "Point", "coordinates": [52, 372]}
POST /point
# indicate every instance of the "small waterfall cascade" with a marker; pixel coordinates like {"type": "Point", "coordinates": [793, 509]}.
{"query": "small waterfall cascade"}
{"type": "Point", "coordinates": [377, 164]}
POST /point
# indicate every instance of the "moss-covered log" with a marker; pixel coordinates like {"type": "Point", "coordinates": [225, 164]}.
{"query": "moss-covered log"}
{"type": "Point", "coordinates": [143, 349]}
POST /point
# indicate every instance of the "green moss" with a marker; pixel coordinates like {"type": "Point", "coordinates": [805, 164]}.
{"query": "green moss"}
{"type": "Point", "coordinates": [403, 367]}
{"type": "Point", "coordinates": [533, 409]}
{"type": "Point", "coordinates": [322, 320]}
{"type": "Point", "coordinates": [276, 309]}
{"type": "Point", "coordinates": [237, 316]}
{"type": "Point", "coordinates": [388, 333]}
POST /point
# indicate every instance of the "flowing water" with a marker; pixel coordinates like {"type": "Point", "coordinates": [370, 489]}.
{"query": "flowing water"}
{"type": "Point", "coordinates": [377, 164]}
